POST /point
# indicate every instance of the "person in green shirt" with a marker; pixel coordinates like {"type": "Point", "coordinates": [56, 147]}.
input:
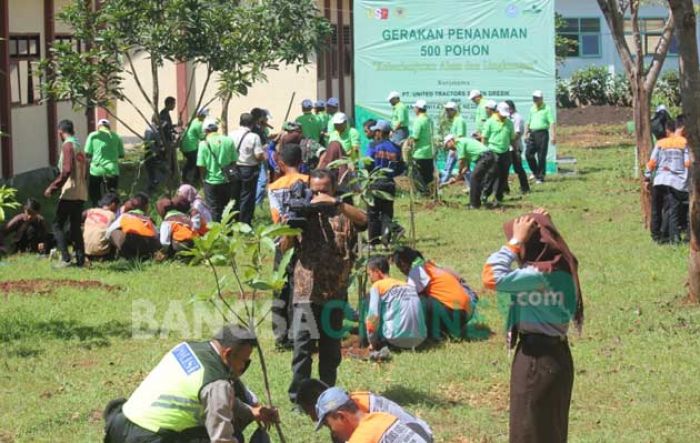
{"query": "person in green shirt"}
{"type": "Point", "coordinates": [103, 148]}
{"type": "Point", "coordinates": [399, 118]}
{"type": "Point", "coordinates": [323, 118]}
{"type": "Point", "coordinates": [469, 150]}
{"type": "Point", "coordinates": [346, 135]}
{"type": "Point", "coordinates": [498, 134]}
{"type": "Point", "coordinates": [310, 124]}
{"type": "Point", "coordinates": [189, 145]}
{"type": "Point", "coordinates": [421, 143]}
{"type": "Point", "coordinates": [332, 106]}
{"type": "Point", "coordinates": [458, 128]}
{"type": "Point", "coordinates": [215, 152]}
{"type": "Point", "coordinates": [539, 123]}
{"type": "Point", "coordinates": [480, 116]}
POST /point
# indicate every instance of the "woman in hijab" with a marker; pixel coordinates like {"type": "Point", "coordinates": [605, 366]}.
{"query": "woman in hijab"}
{"type": "Point", "coordinates": [190, 194]}
{"type": "Point", "coordinates": [543, 296]}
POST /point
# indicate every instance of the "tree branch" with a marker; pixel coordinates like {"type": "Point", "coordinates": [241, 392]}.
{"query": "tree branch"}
{"type": "Point", "coordinates": [138, 81]}
{"type": "Point", "coordinates": [636, 35]}
{"type": "Point", "coordinates": [614, 16]}
{"type": "Point", "coordinates": [660, 53]}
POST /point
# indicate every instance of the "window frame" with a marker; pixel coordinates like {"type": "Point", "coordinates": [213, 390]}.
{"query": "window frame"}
{"type": "Point", "coordinates": [644, 34]}
{"type": "Point", "coordinates": [580, 34]}
{"type": "Point", "coordinates": [28, 57]}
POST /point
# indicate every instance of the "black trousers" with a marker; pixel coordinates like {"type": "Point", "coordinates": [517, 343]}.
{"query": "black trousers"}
{"type": "Point", "coordinates": [666, 210]}
{"type": "Point", "coordinates": [282, 314]}
{"type": "Point", "coordinates": [541, 381]}
{"type": "Point", "coordinates": [99, 185]}
{"type": "Point", "coordinates": [313, 322]}
{"type": "Point", "coordinates": [498, 178]}
{"type": "Point", "coordinates": [380, 216]}
{"type": "Point", "coordinates": [131, 246]}
{"type": "Point", "coordinates": [482, 169]}
{"type": "Point", "coordinates": [443, 321]}
{"type": "Point", "coordinates": [190, 172]}
{"type": "Point", "coordinates": [244, 193]}
{"type": "Point", "coordinates": [71, 212]}
{"type": "Point", "coordinates": [536, 152]}
{"type": "Point", "coordinates": [517, 162]}
{"type": "Point", "coordinates": [425, 169]}
{"type": "Point", "coordinates": [217, 197]}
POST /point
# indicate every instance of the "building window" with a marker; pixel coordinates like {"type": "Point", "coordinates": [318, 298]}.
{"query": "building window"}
{"type": "Point", "coordinates": [77, 45]}
{"type": "Point", "coordinates": [585, 32]}
{"type": "Point", "coordinates": [650, 32]}
{"type": "Point", "coordinates": [25, 75]}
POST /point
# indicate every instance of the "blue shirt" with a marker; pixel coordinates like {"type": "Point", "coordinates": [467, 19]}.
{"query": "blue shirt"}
{"type": "Point", "coordinates": [386, 155]}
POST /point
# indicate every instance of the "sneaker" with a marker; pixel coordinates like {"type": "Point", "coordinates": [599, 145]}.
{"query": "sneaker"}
{"type": "Point", "coordinates": [539, 182]}
{"type": "Point", "coordinates": [531, 177]}
{"type": "Point", "coordinates": [381, 355]}
{"type": "Point", "coordinates": [63, 264]}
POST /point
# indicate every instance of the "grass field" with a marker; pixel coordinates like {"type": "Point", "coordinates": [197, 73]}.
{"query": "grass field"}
{"type": "Point", "coordinates": [66, 351]}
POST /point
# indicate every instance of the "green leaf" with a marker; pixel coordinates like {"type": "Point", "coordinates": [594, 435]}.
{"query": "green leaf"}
{"type": "Point", "coordinates": [260, 285]}
{"type": "Point", "coordinates": [274, 231]}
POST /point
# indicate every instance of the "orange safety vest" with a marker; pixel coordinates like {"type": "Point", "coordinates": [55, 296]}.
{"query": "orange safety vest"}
{"type": "Point", "coordinates": [138, 224]}
{"type": "Point", "coordinates": [181, 227]}
{"type": "Point", "coordinates": [446, 288]}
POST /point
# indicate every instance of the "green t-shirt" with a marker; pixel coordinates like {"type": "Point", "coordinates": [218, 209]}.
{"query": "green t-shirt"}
{"type": "Point", "coordinates": [105, 149]}
{"type": "Point", "coordinates": [399, 116]}
{"type": "Point", "coordinates": [540, 118]}
{"type": "Point", "coordinates": [459, 126]}
{"type": "Point", "coordinates": [421, 133]}
{"type": "Point", "coordinates": [469, 149]}
{"type": "Point", "coordinates": [350, 138]}
{"type": "Point", "coordinates": [323, 119]}
{"type": "Point", "coordinates": [194, 134]}
{"type": "Point", "coordinates": [481, 116]}
{"type": "Point", "coordinates": [224, 154]}
{"type": "Point", "coordinates": [310, 126]}
{"type": "Point", "coordinates": [498, 134]}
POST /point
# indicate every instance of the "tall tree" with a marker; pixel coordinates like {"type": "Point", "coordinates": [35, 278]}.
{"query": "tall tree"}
{"type": "Point", "coordinates": [235, 37]}
{"type": "Point", "coordinates": [690, 96]}
{"type": "Point", "coordinates": [642, 77]}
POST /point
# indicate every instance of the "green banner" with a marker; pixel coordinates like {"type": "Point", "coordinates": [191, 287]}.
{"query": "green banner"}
{"type": "Point", "coordinates": [439, 51]}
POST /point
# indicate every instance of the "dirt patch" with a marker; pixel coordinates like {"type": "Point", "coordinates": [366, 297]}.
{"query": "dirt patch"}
{"type": "Point", "coordinates": [593, 115]}
{"type": "Point", "coordinates": [495, 398]}
{"type": "Point", "coordinates": [42, 286]}
{"type": "Point", "coordinates": [351, 348]}
{"type": "Point", "coordinates": [6, 437]}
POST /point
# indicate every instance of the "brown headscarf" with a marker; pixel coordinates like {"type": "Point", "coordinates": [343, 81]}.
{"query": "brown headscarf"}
{"type": "Point", "coordinates": [547, 251]}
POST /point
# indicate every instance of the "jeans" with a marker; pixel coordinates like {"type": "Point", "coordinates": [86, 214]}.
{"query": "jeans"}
{"type": "Point", "coordinates": [243, 192]}
{"type": "Point", "coordinates": [536, 152]}
{"type": "Point", "coordinates": [484, 165]}
{"type": "Point", "coordinates": [399, 136]}
{"type": "Point", "coordinates": [217, 197]}
{"type": "Point", "coordinates": [315, 322]}
{"type": "Point", "coordinates": [71, 212]}
{"type": "Point", "coordinates": [449, 166]}
{"type": "Point", "coordinates": [99, 185]}
{"type": "Point", "coordinates": [261, 191]}
{"type": "Point", "coordinates": [380, 215]}
{"type": "Point", "coordinates": [190, 172]}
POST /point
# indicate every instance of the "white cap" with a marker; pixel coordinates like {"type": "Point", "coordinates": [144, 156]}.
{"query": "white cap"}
{"type": "Point", "coordinates": [660, 108]}
{"type": "Point", "coordinates": [210, 124]}
{"type": "Point", "coordinates": [474, 93]}
{"type": "Point", "coordinates": [448, 137]}
{"type": "Point", "coordinates": [491, 104]}
{"type": "Point", "coordinates": [537, 94]}
{"type": "Point", "coordinates": [203, 111]}
{"type": "Point", "coordinates": [393, 95]}
{"type": "Point", "coordinates": [451, 105]}
{"type": "Point", "coordinates": [420, 104]}
{"type": "Point", "coordinates": [104, 122]}
{"type": "Point", "coordinates": [503, 109]}
{"type": "Point", "coordinates": [339, 118]}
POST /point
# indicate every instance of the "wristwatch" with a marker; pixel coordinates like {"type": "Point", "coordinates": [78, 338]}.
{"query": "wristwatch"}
{"type": "Point", "coordinates": [514, 242]}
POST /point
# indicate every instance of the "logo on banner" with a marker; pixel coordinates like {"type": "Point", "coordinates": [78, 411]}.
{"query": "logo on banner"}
{"type": "Point", "coordinates": [381, 13]}
{"type": "Point", "coordinates": [512, 10]}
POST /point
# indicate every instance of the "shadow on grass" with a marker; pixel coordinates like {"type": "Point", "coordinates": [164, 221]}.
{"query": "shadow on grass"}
{"type": "Point", "coordinates": [89, 336]}
{"type": "Point", "coordinates": [405, 395]}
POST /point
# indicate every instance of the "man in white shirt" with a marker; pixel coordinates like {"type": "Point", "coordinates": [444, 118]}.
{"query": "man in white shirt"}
{"type": "Point", "coordinates": [250, 154]}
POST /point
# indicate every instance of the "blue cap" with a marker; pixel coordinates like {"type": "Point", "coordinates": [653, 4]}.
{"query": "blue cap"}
{"type": "Point", "coordinates": [307, 104]}
{"type": "Point", "coordinates": [319, 104]}
{"type": "Point", "coordinates": [329, 401]}
{"type": "Point", "coordinates": [333, 102]}
{"type": "Point", "coordinates": [381, 125]}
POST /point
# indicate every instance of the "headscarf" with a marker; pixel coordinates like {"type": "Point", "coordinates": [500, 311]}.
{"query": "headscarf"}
{"type": "Point", "coordinates": [334, 151]}
{"type": "Point", "coordinates": [188, 192]}
{"type": "Point", "coordinates": [547, 252]}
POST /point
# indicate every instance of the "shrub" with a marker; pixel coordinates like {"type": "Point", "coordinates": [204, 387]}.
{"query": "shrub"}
{"type": "Point", "coordinates": [563, 94]}
{"type": "Point", "coordinates": [619, 92]}
{"type": "Point", "coordinates": [589, 86]}
{"type": "Point", "coordinates": [668, 92]}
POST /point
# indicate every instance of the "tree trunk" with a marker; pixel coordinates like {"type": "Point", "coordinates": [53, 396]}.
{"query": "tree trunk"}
{"type": "Point", "coordinates": [642, 129]}
{"type": "Point", "coordinates": [224, 112]}
{"type": "Point", "coordinates": [686, 20]}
